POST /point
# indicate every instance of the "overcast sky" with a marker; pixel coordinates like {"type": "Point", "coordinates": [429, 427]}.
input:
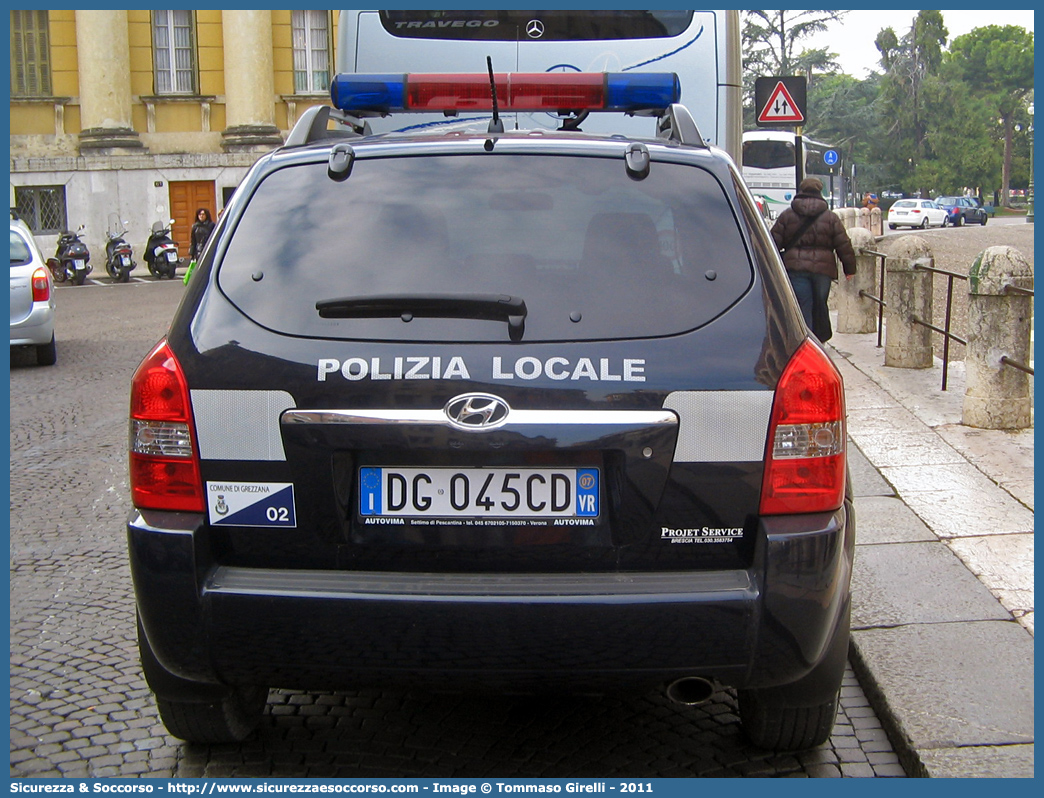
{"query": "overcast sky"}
{"type": "Point", "coordinates": [853, 39]}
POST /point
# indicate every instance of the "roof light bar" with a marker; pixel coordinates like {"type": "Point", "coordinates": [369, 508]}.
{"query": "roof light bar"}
{"type": "Point", "coordinates": [624, 92]}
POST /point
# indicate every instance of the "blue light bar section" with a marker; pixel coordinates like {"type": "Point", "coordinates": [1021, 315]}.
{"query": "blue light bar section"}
{"type": "Point", "coordinates": [636, 91]}
{"type": "Point", "coordinates": [356, 92]}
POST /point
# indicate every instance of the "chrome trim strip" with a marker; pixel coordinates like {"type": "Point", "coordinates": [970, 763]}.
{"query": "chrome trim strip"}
{"type": "Point", "coordinates": [621, 418]}
{"type": "Point", "coordinates": [542, 588]}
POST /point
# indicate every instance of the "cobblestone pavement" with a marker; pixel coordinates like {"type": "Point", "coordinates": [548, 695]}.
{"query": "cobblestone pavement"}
{"type": "Point", "coordinates": [79, 706]}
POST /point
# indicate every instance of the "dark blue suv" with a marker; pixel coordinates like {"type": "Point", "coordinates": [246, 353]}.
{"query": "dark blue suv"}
{"type": "Point", "coordinates": [486, 410]}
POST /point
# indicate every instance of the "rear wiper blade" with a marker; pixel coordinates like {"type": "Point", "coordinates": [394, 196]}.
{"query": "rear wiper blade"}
{"type": "Point", "coordinates": [492, 307]}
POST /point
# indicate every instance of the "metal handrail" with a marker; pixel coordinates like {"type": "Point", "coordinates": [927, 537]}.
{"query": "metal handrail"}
{"type": "Point", "coordinates": [1007, 361]}
{"type": "Point", "coordinates": [1014, 289]}
{"type": "Point", "coordinates": [881, 304]}
{"type": "Point", "coordinates": [945, 332]}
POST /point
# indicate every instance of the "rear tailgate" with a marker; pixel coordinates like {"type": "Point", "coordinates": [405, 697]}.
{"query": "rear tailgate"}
{"type": "Point", "coordinates": [622, 404]}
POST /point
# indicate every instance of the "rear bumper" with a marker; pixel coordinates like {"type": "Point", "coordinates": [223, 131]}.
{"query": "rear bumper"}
{"type": "Point", "coordinates": [35, 328]}
{"type": "Point", "coordinates": [767, 625]}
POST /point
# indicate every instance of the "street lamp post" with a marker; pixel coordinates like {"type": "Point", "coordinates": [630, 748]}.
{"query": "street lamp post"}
{"type": "Point", "coordinates": [1029, 211]}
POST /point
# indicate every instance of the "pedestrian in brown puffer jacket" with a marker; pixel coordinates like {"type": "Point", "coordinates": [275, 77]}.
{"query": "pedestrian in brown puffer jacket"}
{"type": "Point", "coordinates": [809, 235]}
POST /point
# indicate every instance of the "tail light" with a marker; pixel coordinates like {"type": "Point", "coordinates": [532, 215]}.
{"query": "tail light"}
{"type": "Point", "coordinates": [41, 285]}
{"type": "Point", "coordinates": [805, 457]}
{"type": "Point", "coordinates": [164, 464]}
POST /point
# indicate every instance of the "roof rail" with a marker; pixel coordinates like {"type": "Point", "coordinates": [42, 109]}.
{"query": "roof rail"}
{"type": "Point", "coordinates": [314, 122]}
{"type": "Point", "coordinates": [677, 124]}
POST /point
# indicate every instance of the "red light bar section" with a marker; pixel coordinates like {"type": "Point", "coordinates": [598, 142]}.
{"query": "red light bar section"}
{"type": "Point", "coordinates": [516, 91]}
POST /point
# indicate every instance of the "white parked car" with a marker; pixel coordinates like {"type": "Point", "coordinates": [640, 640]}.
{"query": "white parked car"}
{"type": "Point", "coordinates": [916, 213]}
{"type": "Point", "coordinates": [32, 296]}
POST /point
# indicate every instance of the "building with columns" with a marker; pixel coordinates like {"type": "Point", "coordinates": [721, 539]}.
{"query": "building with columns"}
{"type": "Point", "coordinates": [140, 116]}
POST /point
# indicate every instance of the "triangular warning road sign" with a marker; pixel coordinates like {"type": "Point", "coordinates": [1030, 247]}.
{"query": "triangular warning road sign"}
{"type": "Point", "coordinates": [780, 107]}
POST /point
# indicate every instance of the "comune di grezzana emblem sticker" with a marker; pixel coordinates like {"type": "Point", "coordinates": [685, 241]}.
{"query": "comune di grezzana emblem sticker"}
{"type": "Point", "coordinates": [251, 504]}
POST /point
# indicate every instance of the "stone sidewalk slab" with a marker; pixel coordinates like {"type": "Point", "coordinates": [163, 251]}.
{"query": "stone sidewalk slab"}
{"type": "Point", "coordinates": [886, 519]}
{"type": "Point", "coordinates": [917, 583]}
{"type": "Point", "coordinates": [983, 762]}
{"type": "Point", "coordinates": [938, 682]}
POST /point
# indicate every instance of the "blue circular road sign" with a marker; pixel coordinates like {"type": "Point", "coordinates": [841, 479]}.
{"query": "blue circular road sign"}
{"type": "Point", "coordinates": [830, 157]}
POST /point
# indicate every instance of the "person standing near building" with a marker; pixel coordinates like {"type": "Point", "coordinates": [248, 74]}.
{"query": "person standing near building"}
{"type": "Point", "coordinates": [201, 231]}
{"type": "Point", "coordinates": [809, 236]}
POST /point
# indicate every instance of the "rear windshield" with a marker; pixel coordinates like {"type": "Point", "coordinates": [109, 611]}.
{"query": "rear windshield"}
{"type": "Point", "coordinates": [768, 154]}
{"type": "Point", "coordinates": [20, 252]}
{"type": "Point", "coordinates": [592, 253]}
{"type": "Point", "coordinates": [530, 25]}
{"type": "Point", "coordinates": [947, 201]}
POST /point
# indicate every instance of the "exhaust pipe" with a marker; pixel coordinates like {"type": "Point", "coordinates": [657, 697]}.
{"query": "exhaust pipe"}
{"type": "Point", "coordinates": [690, 691]}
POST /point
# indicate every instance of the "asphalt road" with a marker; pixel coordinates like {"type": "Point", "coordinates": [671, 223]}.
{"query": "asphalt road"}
{"type": "Point", "coordinates": [79, 706]}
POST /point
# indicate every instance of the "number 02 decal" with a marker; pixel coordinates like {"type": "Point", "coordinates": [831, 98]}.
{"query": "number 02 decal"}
{"type": "Point", "coordinates": [251, 504]}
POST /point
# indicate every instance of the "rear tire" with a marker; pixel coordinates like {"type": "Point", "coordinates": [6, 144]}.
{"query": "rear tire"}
{"type": "Point", "coordinates": [983, 222]}
{"type": "Point", "coordinates": [959, 222]}
{"type": "Point", "coordinates": [47, 354]}
{"type": "Point", "coordinates": [924, 223]}
{"type": "Point", "coordinates": [227, 721]}
{"type": "Point", "coordinates": [79, 278]}
{"type": "Point", "coordinates": [212, 718]}
{"type": "Point", "coordinates": [786, 728]}
{"type": "Point", "coordinates": [892, 226]}
{"type": "Point", "coordinates": [793, 717]}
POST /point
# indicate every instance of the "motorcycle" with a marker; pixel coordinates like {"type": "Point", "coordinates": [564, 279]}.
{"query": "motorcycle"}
{"type": "Point", "coordinates": [119, 258]}
{"type": "Point", "coordinates": [161, 253]}
{"type": "Point", "coordinates": [72, 259]}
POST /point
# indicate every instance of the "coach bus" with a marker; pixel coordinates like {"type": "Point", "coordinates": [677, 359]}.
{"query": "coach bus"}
{"type": "Point", "coordinates": [768, 167]}
{"type": "Point", "coordinates": [701, 47]}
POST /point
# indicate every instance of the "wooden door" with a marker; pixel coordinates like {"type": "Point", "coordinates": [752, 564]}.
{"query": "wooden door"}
{"type": "Point", "coordinates": [187, 197]}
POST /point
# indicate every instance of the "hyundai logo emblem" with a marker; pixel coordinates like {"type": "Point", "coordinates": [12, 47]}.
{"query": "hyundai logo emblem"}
{"type": "Point", "coordinates": [534, 29]}
{"type": "Point", "coordinates": [476, 412]}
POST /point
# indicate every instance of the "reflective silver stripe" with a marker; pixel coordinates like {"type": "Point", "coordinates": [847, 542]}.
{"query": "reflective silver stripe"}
{"type": "Point", "coordinates": [721, 426]}
{"type": "Point", "coordinates": [622, 418]}
{"type": "Point", "coordinates": [239, 425]}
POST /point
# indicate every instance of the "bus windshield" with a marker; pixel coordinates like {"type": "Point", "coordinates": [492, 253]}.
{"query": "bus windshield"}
{"type": "Point", "coordinates": [553, 25]}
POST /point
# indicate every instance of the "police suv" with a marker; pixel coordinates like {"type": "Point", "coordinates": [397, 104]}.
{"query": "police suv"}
{"type": "Point", "coordinates": [491, 409]}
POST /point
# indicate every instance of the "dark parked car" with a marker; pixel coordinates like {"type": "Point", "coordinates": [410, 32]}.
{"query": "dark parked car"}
{"type": "Point", "coordinates": [487, 410]}
{"type": "Point", "coordinates": [963, 210]}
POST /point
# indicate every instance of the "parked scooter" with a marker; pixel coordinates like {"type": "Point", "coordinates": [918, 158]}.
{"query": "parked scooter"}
{"type": "Point", "coordinates": [72, 259]}
{"type": "Point", "coordinates": [161, 253]}
{"type": "Point", "coordinates": [119, 259]}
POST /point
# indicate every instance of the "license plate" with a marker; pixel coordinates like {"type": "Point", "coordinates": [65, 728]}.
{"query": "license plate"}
{"type": "Point", "coordinates": [172, 256]}
{"type": "Point", "coordinates": [125, 260]}
{"type": "Point", "coordinates": [79, 265]}
{"type": "Point", "coordinates": [479, 492]}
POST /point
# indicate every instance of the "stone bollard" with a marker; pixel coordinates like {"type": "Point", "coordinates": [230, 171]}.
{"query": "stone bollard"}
{"type": "Point", "coordinates": [997, 396]}
{"type": "Point", "coordinates": [864, 218]}
{"type": "Point", "coordinates": [847, 217]}
{"type": "Point", "coordinates": [856, 314]}
{"type": "Point", "coordinates": [876, 226]}
{"type": "Point", "coordinates": [908, 294]}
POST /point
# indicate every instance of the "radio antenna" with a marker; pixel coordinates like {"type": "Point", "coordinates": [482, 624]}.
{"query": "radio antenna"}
{"type": "Point", "coordinates": [496, 126]}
